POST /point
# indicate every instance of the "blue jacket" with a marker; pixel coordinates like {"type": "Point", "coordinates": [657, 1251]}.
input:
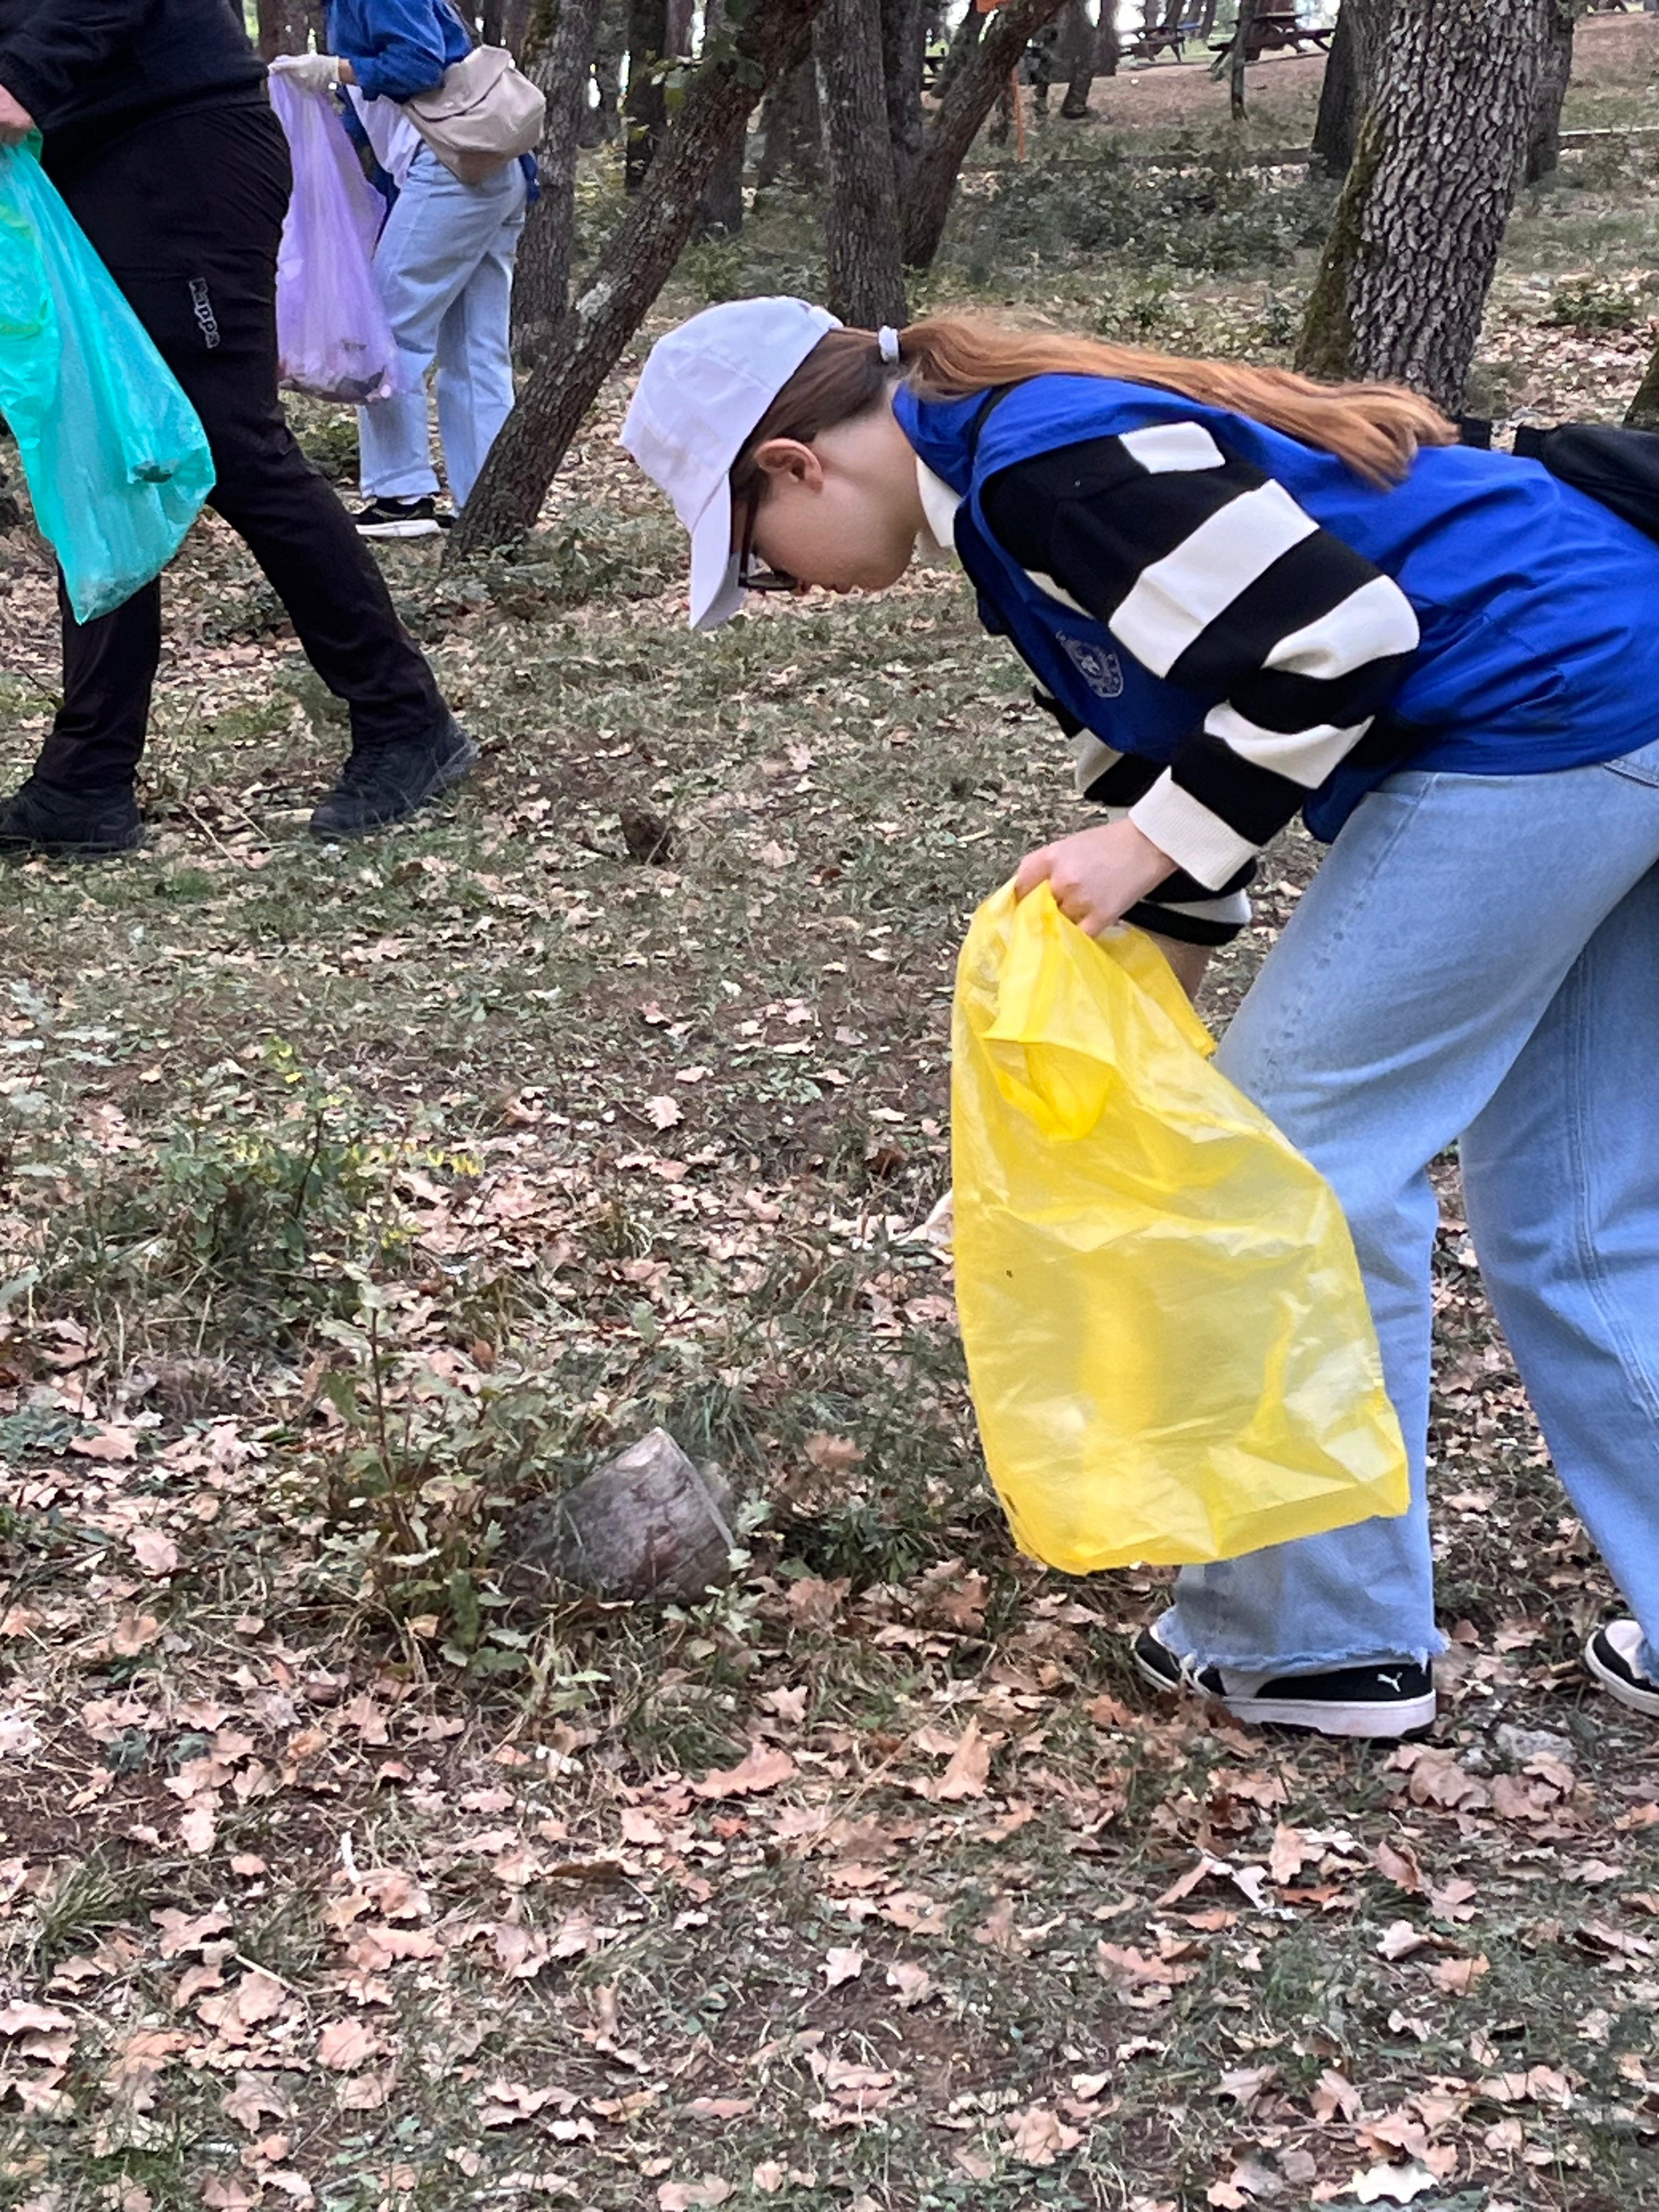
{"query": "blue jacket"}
{"type": "Point", "coordinates": [398, 48]}
{"type": "Point", "coordinates": [1538, 607]}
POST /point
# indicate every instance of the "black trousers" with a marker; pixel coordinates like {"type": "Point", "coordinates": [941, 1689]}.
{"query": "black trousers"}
{"type": "Point", "coordinates": [186, 210]}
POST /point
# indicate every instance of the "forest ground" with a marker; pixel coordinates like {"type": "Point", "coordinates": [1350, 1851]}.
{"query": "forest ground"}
{"type": "Point", "coordinates": [355, 1194]}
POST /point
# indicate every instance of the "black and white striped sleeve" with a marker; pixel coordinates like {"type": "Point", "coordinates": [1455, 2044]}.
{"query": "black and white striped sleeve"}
{"type": "Point", "coordinates": [1213, 576]}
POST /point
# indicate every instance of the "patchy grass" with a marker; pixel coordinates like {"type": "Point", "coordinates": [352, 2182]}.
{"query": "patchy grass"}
{"type": "Point", "coordinates": [356, 1197]}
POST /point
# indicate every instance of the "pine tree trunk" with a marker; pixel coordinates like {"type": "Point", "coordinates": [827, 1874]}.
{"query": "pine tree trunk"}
{"type": "Point", "coordinates": [1437, 165]}
{"type": "Point", "coordinates": [904, 50]}
{"type": "Point", "coordinates": [860, 231]}
{"type": "Point", "coordinates": [559, 42]}
{"type": "Point", "coordinates": [720, 215]}
{"type": "Point", "coordinates": [791, 131]}
{"type": "Point", "coordinates": [1642, 413]}
{"type": "Point", "coordinates": [984, 71]}
{"type": "Point", "coordinates": [631, 271]}
{"type": "Point", "coordinates": [646, 108]}
{"type": "Point", "coordinates": [1544, 139]}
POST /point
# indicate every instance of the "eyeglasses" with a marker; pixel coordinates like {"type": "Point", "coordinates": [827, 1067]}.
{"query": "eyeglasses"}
{"type": "Point", "coordinates": [749, 576]}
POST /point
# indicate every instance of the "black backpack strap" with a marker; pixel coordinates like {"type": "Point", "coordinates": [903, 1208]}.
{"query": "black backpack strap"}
{"type": "Point", "coordinates": [992, 399]}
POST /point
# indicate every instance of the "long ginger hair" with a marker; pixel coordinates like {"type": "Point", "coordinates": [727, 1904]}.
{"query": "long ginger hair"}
{"type": "Point", "coordinates": [1376, 428]}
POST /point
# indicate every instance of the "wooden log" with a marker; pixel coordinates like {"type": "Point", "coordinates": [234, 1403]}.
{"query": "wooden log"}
{"type": "Point", "coordinates": [649, 1523]}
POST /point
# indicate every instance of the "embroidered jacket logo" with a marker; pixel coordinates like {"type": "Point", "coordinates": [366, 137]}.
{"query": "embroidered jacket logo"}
{"type": "Point", "coordinates": [1100, 669]}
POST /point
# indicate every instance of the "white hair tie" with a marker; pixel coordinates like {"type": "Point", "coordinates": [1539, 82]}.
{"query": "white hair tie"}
{"type": "Point", "coordinates": [888, 339]}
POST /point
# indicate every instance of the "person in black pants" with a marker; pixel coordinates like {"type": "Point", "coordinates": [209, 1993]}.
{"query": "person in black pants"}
{"type": "Point", "coordinates": [158, 132]}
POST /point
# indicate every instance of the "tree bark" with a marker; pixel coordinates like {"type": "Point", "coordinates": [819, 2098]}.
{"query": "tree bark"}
{"type": "Point", "coordinates": [1555, 68]}
{"type": "Point", "coordinates": [904, 54]}
{"type": "Point", "coordinates": [646, 108]}
{"type": "Point", "coordinates": [632, 270]}
{"type": "Point", "coordinates": [1238, 55]}
{"type": "Point", "coordinates": [860, 235]}
{"type": "Point", "coordinates": [600, 122]}
{"type": "Point", "coordinates": [559, 43]}
{"type": "Point", "coordinates": [1078, 56]}
{"type": "Point", "coordinates": [791, 131]}
{"type": "Point", "coordinates": [283, 28]}
{"type": "Point", "coordinates": [1642, 413]}
{"type": "Point", "coordinates": [1437, 164]}
{"type": "Point", "coordinates": [720, 215]}
{"type": "Point", "coordinates": [964, 39]}
{"type": "Point", "coordinates": [984, 71]}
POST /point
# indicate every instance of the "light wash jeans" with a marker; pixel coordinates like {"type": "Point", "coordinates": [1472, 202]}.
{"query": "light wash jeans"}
{"type": "Point", "coordinates": [1477, 957]}
{"type": "Point", "coordinates": [444, 267]}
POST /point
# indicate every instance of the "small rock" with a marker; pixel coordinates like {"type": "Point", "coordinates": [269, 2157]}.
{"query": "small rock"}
{"type": "Point", "coordinates": [1519, 1745]}
{"type": "Point", "coordinates": [648, 1523]}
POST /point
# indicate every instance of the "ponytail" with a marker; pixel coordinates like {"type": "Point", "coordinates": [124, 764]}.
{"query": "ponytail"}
{"type": "Point", "coordinates": [1376, 428]}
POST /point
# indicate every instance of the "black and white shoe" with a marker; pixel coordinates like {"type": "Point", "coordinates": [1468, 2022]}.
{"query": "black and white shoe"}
{"type": "Point", "coordinates": [382, 784]}
{"type": "Point", "coordinates": [70, 825]}
{"type": "Point", "coordinates": [401, 517]}
{"type": "Point", "coordinates": [1613, 1656]}
{"type": "Point", "coordinates": [1390, 1698]}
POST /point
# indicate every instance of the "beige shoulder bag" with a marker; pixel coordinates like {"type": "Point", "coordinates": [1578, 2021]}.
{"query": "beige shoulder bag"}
{"type": "Point", "coordinates": [484, 113]}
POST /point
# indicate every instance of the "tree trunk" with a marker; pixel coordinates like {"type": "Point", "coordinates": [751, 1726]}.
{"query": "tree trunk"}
{"type": "Point", "coordinates": [601, 120]}
{"type": "Point", "coordinates": [955, 124]}
{"type": "Point", "coordinates": [631, 271]}
{"type": "Point", "coordinates": [1237, 57]}
{"type": "Point", "coordinates": [964, 39]}
{"type": "Point", "coordinates": [1642, 413]}
{"type": "Point", "coordinates": [1411, 255]}
{"type": "Point", "coordinates": [791, 131]}
{"type": "Point", "coordinates": [491, 22]}
{"type": "Point", "coordinates": [860, 230]}
{"type": "Point", "coordinates": [1078, 55]}
{"type": "Point", "coordinates": [903, 53]}
{"type": "Point", "coordinates": [559, 42]}
{"type": "Point", "coordinates": [646, 108]}
{"type": "Point", "coordinates": [720, 215]}
{"type": "Point", "coordinates": [516, 27]}
{"type": "Point", "coordinates": [283, 28]}
{"type": "Point", "coordinates": [1544, 139]}
{"type": "Point", "coordinates": [1351, 70]}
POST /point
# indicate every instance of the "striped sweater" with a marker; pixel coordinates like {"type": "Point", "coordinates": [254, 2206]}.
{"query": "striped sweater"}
{"type": "Point", "coordinates": [1211, 575]}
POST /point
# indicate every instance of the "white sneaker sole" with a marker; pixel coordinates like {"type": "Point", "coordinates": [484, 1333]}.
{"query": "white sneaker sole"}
{"type": "Point", "coordinates": [1638, 1701]}
{"type": "Point", "coordinates": [1370, 1719]}
{"type": "Point", "coordinates": [422, 527]}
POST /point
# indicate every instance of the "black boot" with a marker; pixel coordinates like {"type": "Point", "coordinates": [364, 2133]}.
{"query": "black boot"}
{"type": "Point", "coordinates": [42, 817]}
{"type": "Point", "coordinates": [386, 783]}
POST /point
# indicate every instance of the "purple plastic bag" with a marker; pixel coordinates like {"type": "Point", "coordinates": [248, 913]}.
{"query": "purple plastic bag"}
{"type": "Point", "coordinates": [333, 334]}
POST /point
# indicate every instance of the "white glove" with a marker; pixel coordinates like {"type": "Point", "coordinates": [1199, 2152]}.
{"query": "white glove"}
{"type": "Point", "coordinates": [318, 73]}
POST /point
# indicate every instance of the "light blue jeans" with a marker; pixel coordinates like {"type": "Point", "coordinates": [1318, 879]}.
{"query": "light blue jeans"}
{"type": "Point", "coordinates": [1477, 957]}
{"type": "Point", "coordinates": [444, 267]}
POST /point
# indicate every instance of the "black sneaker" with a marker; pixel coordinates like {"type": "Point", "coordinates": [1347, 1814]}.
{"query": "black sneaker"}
{"type": "Point", "coordinates": [42, 817]}
{"type": "Point", "coordinates": [1611, 1654]}
{"type": "Point", "coordinates": [401, 517]}
{"type": "Point", "coordinates": [1392, 1698]}
{"type": "Point", "coordinates": [382, 784]}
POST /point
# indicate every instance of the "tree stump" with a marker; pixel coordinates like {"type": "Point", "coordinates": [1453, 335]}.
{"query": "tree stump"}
{"type": "Point", "coordinates": [649, 1523]}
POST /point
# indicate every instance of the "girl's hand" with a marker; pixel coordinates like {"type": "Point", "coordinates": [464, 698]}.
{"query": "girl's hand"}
{"type": "Point", "coordinates": [1097, 875]}
{"type": "Point", "coordinates": [15, 121]}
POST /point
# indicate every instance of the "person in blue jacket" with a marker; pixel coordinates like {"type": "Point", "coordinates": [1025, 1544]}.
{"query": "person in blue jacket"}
{"type": "Point", "coordinates": [444, 263]}
{"type": "Point", "coordinates": [1248, 596]}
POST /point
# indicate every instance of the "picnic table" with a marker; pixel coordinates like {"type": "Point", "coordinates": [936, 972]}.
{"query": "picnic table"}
{"type": "Point", "coordinates": [1275, 29]}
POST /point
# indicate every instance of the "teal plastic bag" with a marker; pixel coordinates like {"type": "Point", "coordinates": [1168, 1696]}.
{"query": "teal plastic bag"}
{"type": "Point", "coordinates": [115, 457]}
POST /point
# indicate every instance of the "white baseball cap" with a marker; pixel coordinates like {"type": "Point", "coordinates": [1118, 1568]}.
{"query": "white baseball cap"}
{"type": "Point", "coordinates": [701, 391]}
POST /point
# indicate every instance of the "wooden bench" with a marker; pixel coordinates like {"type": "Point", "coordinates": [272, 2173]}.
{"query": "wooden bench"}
{"type": "Point", "coordinates": [1276, 29]}
{"type": "Point", "coordinates": [1152, 44]}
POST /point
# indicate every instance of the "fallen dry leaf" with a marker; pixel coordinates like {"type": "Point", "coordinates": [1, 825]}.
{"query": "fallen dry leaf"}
{"type": "Point", "coordinates": [345, 2043]}
{"type": "Point", "coordinates": [693, 2195]}
{"type": "Point", "coordinates": [842, 1965]}
{"type": "Point", "coordinates": [156, 1554]}
{"type": "Point", "coordinates": [763, 1767]}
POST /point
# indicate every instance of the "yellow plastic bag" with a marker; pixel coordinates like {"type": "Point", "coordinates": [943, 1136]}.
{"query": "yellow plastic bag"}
{"type": "Point", "coordinates": [1169, 1349]}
